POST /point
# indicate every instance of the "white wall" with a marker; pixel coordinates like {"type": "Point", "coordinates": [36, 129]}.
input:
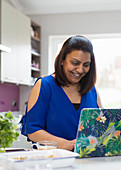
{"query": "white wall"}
{"type": "Point", "coordinates": [8, 1]}
{"type": "Point", "coordinates": [79, 23]}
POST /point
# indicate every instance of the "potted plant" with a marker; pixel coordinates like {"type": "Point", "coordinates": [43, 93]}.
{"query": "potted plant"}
{"type": "Point", "coordinates": [8, 131]}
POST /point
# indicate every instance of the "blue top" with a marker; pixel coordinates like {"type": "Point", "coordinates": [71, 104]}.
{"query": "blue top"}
{"type": "Point", "coordinates": [54, 112]}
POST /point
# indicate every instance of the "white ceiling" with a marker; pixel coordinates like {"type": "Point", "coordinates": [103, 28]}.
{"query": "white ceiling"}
{"type": "Point", "coordinates": [33, 7]}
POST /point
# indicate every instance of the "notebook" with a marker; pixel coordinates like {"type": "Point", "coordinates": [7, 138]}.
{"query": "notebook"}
{"type": "Point", "coordinates": [99, 133]}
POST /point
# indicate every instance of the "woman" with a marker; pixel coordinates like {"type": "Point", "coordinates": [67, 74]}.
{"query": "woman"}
{"type": "Point", "coordinates": [56, 101]}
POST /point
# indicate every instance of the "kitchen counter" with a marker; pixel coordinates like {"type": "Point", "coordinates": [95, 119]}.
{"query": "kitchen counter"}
{"type": "Point", "coordinates": [97, 163]}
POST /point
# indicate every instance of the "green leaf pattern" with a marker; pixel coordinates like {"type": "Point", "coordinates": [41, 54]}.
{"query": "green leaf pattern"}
{"type": "Point", "coordinates": [99, 133]}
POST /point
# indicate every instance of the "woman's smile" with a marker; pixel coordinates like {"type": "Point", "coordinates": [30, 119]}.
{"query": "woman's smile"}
{"type": "Point", "coordinates": [76, 75]}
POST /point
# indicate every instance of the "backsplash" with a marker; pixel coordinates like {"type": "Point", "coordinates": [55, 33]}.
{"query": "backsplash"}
{"type": "Point", "coordinates": [9, 97]}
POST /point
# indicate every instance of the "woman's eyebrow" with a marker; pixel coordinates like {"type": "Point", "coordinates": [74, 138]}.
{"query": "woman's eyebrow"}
{"type": "Point", "coordinates": [89, 61]}
{"type": "Point", "coordinates": [76, 60]}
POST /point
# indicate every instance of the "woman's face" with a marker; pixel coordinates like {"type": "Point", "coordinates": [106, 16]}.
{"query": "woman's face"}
{"type": "Point", "coordinates": [76, 65]}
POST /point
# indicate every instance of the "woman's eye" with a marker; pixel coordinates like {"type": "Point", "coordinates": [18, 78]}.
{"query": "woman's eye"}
{"type": "Point", "coordinates": [86, 65]}
{"type": "Point", "coordinates": [75, 63]}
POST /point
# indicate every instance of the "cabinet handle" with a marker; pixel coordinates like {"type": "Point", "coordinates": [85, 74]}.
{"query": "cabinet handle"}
{"type": "Point", "coordinates": [9, 78]}
{"type": "Point", "coordinates": [23, 80]}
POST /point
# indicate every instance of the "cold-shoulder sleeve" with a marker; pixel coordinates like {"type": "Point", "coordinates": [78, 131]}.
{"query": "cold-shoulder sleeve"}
{"type": "Point", "coordinates": [35, 118]}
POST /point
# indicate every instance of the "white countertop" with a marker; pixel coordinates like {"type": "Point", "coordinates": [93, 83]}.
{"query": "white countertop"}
{"type": "Point", "coordinates": [99, 163]}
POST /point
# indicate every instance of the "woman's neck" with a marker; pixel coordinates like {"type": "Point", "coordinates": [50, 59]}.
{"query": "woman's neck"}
{"type": "Point", "coordinates": [72, 92]}
{"type": "Point", "coordinates": [72, 87]}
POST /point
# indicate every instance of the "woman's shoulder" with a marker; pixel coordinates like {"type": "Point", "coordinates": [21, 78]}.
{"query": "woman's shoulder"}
{"type": "Point", "coordinates": [94, 89]}
{"type": "Point", "coordinates": [92, 93]}
{"type": "Point", "coordinates": [43, 79]}
{"type": "Point", "coordinates": [47, 78]}
{"type": "Point", "coordinates": [42, 85]}
{"type": "Point", "coordinates": [46, 83]}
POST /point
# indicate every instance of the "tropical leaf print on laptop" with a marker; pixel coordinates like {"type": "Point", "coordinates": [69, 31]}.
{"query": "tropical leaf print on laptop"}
{"type": "Point", "coordinates": [99, 133]}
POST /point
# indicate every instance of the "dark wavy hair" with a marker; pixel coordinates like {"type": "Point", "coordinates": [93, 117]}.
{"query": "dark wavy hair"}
{"type": "Point", "coordinates": [77, 42]}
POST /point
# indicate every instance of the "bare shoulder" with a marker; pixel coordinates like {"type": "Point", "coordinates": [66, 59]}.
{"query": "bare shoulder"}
{"type": "Point", "coordinates": [98, 99]}
{"type": "Point", "coordinates": [34, 95]}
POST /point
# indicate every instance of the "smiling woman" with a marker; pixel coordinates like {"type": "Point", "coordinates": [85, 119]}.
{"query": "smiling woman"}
{"type": "Point", "coordinates": [76, 65]}
{"type": "Point", "coordinates": [52, 112]}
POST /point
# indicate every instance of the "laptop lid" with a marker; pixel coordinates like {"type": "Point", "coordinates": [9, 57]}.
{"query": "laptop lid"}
{"type": "Point", "coordinates": [99, 133]}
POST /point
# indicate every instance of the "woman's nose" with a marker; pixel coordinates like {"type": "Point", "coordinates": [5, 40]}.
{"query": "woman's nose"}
{"type": "Point", "coordinates": [80, 69]}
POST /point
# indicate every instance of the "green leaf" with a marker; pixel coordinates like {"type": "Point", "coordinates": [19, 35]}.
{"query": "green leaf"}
{"type": "Point", "coordinates": [2, 150]}
{"type": "Point", "coordinates": [114, 145]}
{"type": "Point", "coordinates": [110, 125]}
{"type": "Point", "coordinates": [86, 151]}
{"type": "Point", "coordinates": [107, 139]}
{"type": "Point", "coordinates": [9, 115]}
{"type": "Point", "coordinates": [118, 125]}
{"type": "Point", "coordinates": [14, 126]}
{"type": "Point", "coordinates": [88, 117]}
{"type": "Point", "coordinates": [91, 150]}
{"type": "Point", "coordinates": [7, 131]}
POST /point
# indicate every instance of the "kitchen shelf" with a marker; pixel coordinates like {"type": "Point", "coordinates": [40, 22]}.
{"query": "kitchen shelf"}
{"type": "Point", "coordinates": [35, 50]}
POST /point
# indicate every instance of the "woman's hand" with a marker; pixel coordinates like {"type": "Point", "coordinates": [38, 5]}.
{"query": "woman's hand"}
{"type": "Point", "coordinates": [66, 144]}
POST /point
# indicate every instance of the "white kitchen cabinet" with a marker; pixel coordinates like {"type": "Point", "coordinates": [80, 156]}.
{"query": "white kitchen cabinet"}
{"type": "Point", "coordinates": [15, 33]}
{"type": "Point", "coordinates": [8, 38]}
{"type": "Point", "coordinates": [23, 50]}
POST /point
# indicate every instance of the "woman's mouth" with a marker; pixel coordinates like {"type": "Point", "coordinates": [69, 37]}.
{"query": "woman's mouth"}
{"type": "Point", "coordinates": [77, 75]}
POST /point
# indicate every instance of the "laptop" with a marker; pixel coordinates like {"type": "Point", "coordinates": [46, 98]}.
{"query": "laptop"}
{"type": "Point", "coordinates": [99, 133]}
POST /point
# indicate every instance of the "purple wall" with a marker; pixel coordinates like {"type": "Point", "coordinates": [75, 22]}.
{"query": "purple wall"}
{"type": "Point", "coordinates": [9, 97]}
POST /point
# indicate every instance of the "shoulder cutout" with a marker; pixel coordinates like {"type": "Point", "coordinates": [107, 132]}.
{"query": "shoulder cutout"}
{"type": "Point", "coordinates": [98, 99]}
{"type": "Point", "coordinates": [34, 95]}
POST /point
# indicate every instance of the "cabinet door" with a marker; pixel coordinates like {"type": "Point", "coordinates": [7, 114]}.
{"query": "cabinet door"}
{"type": "Point", "coordinates": [15, 33]}
{"type": "Point", "coordinates": [8, 38]}
{"type": "Point", "coordinates": [23, 49]}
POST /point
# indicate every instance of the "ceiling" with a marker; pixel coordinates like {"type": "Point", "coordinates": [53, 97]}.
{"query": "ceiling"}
{"type": "Point", "coordinates": [36, 7]}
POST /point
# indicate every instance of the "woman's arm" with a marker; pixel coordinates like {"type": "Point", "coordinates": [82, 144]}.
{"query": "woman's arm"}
{"type": "Point", "coordinates": [61, 142]}
{"type": "Point", "coordinates": [98, 100]}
